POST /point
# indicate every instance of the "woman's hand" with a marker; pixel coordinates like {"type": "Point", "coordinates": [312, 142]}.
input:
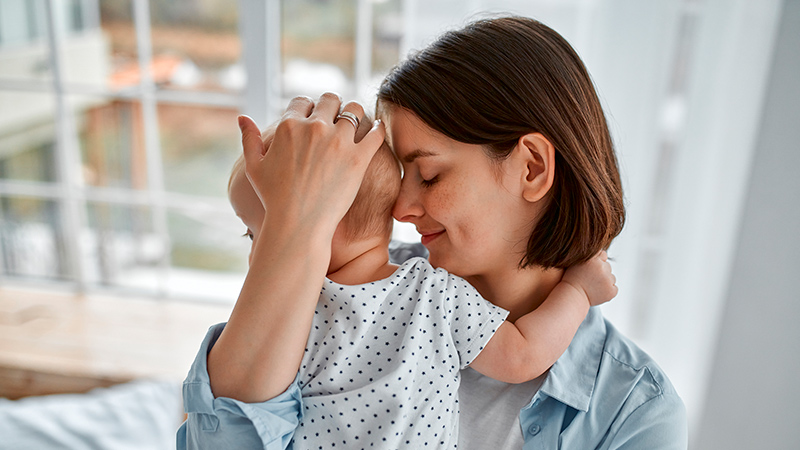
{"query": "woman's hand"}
{"type": "Point", "coordinates": [594, 279]}
{"type": "Point", "coordinates": [314, 167]}
{"type": "Point", "coordinates": [306, 181]}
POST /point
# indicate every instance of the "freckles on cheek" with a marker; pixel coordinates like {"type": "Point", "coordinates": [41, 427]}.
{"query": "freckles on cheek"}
{"type": "Point", "coordinates": [443, 200]}
{"type": "Point", "coordinates": [454, 205]}
{"type": "Point", "coordinates": [438, 205]}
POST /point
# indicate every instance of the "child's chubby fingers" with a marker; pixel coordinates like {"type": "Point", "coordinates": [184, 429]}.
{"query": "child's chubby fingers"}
{"type": "Point", "coordinates": [596, 277]}
{"type": "Point", "coordinates": [611, 290]}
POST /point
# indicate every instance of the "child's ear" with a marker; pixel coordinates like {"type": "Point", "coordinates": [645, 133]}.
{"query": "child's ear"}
{"type": "Point", "coordinates": [539, 156]}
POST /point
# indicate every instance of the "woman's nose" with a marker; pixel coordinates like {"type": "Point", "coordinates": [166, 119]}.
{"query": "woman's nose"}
{"type": "Point", "coordinates": [407, 207]}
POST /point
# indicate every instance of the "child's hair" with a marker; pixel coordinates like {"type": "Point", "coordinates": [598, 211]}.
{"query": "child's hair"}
{"type": "Point", "coordinates": [371, 212]}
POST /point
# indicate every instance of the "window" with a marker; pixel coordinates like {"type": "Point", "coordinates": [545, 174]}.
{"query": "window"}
{"type": "Point", "coordinates": [117, 126]}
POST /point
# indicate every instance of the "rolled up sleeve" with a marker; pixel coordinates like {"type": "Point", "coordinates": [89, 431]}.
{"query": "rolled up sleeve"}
{"type": "Point", "coordinates": [214, 423]}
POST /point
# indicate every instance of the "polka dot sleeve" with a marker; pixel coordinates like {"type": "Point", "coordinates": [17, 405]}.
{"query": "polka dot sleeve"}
{"type": "Point", "coordinates": [473, 320]}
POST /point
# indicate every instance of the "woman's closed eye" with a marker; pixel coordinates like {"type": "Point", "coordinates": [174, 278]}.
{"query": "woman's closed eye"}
{"type": "Point", "coordinates": [248, 234]}
{"type": "Point", "coordinates": [429, 182]}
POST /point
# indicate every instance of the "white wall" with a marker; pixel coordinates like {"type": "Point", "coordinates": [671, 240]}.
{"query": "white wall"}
{"type": "Point", "coordinates": [753, 392]}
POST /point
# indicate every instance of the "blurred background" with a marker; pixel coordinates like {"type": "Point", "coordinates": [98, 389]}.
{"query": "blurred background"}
{"type": "Point", "coordinates": [118, 131]}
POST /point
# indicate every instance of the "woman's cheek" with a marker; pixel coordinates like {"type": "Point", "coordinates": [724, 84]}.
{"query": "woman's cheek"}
{"type": "Point", "coordinates": [449, 196]}
{"type": "Point", "coordinates": [435, 199]}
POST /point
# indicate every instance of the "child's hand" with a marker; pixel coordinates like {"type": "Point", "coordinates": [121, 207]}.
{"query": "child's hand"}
{"type": "Point", "coordinates": [594, 279]}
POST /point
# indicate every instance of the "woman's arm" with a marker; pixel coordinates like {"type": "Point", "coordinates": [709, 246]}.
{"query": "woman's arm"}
{"type": "Point", "coordinates": [306, 181]}
{"type": "Point", "coordinates": [215, 423]}
{"type": "Point", "coordinates": [521, 351]}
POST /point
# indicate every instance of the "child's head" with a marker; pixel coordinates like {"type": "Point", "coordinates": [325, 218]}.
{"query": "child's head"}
{"type": "Point", "coordinates": [370, 215]}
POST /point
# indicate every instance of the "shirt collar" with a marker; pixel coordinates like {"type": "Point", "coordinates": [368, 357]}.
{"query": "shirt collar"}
{"type": "Point", "coordinates": [572, 378]}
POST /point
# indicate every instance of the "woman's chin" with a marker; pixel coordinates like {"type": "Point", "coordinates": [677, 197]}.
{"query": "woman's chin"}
{"type": "Point", "coordinates": [435, 261]}
{"type": "Point", "coordinates": [438, 261]}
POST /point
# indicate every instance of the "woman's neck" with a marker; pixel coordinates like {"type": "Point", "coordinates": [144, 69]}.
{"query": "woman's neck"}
{"type": "Point", "coordinates": [519, 291]}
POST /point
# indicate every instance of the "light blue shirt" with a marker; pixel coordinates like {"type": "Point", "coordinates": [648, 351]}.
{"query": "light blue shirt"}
{"type": "Point", "coordinates": [603, 393]}
{"type": "Point", "coordinates": [223, 423]}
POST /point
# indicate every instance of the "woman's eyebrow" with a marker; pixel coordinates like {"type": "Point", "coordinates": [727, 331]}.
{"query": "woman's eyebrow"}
{"type": "Point", "coordinates": [418, 153]}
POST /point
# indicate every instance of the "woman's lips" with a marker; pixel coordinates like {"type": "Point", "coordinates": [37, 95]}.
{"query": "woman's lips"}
{"type": "Point", "coordinates": [428, 237]}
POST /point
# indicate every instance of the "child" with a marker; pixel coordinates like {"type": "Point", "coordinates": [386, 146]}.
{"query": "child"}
{"type": "Point", "coordinates": [387, 343]}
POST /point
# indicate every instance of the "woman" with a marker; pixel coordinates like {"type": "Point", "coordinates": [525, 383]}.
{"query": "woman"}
{"type": "Point", "coordinates": [510, 176]}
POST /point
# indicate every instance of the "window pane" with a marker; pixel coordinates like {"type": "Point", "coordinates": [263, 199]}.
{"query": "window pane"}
{"type": "Point", "coordinates": [196, 45]}
{"type": "Point", "coordinates": [25, 44]}
{"type": "Point", "coordinates": [84, 47]}
{"type": "Point", "coordinates": [209, 253]}
{"type": "Point", "coordinates": [31, 238]}
{"type": "Point", "coordinates": [111, 137]}
{"type": "Point", "coordinates": [199, 146]}
{"type": "Point", "coordinates": [318, 47]}
{"type": "Point", "coordinates": [121, 248]}
{"type": "Point", "coordinates": [27, 136]}
{"type": "Point", "coordinates": [24, 54]}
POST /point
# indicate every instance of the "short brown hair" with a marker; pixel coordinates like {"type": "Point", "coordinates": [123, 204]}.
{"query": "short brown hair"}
{"type": "Point", "coordinates": [371, 212]}
{"type": "Point", "coordinates": [497, 80]}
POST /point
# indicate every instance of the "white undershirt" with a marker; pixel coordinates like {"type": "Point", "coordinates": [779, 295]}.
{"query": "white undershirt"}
{"type": "Point", "coordinates": [489, 415]}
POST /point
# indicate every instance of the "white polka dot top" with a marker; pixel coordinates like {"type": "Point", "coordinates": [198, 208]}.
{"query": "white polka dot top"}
{"type": "Point", "coordinates": [381, 367]}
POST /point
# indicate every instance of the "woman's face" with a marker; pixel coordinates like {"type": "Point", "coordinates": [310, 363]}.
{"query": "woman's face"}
{"type": "Point", "coordinates": [467, 207]}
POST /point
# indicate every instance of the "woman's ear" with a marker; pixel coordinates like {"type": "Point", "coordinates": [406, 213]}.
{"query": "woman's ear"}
{"type": "Point", "coordinates": [539, 156]}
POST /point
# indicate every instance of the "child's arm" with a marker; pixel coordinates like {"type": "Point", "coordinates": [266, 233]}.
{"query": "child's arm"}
{"type": "Point", "coordinates": [524, 350]}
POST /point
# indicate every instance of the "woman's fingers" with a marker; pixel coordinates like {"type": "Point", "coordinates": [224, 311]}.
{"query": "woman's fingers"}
{"type": "Point", "coordinates": [327, 107]}
{"type": "Point", "coordinates": [351, 118]}
{"type": "Point", "coordinates": [299, 107]}
{"type": "Point", "coordinates": [363, 128]}
{"type": "Point", "coordinates": [373, 139]}
{"type": "Point", "coordinates": [252, 144]}
{"type": "Point", "coordinates": [308, 154]}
